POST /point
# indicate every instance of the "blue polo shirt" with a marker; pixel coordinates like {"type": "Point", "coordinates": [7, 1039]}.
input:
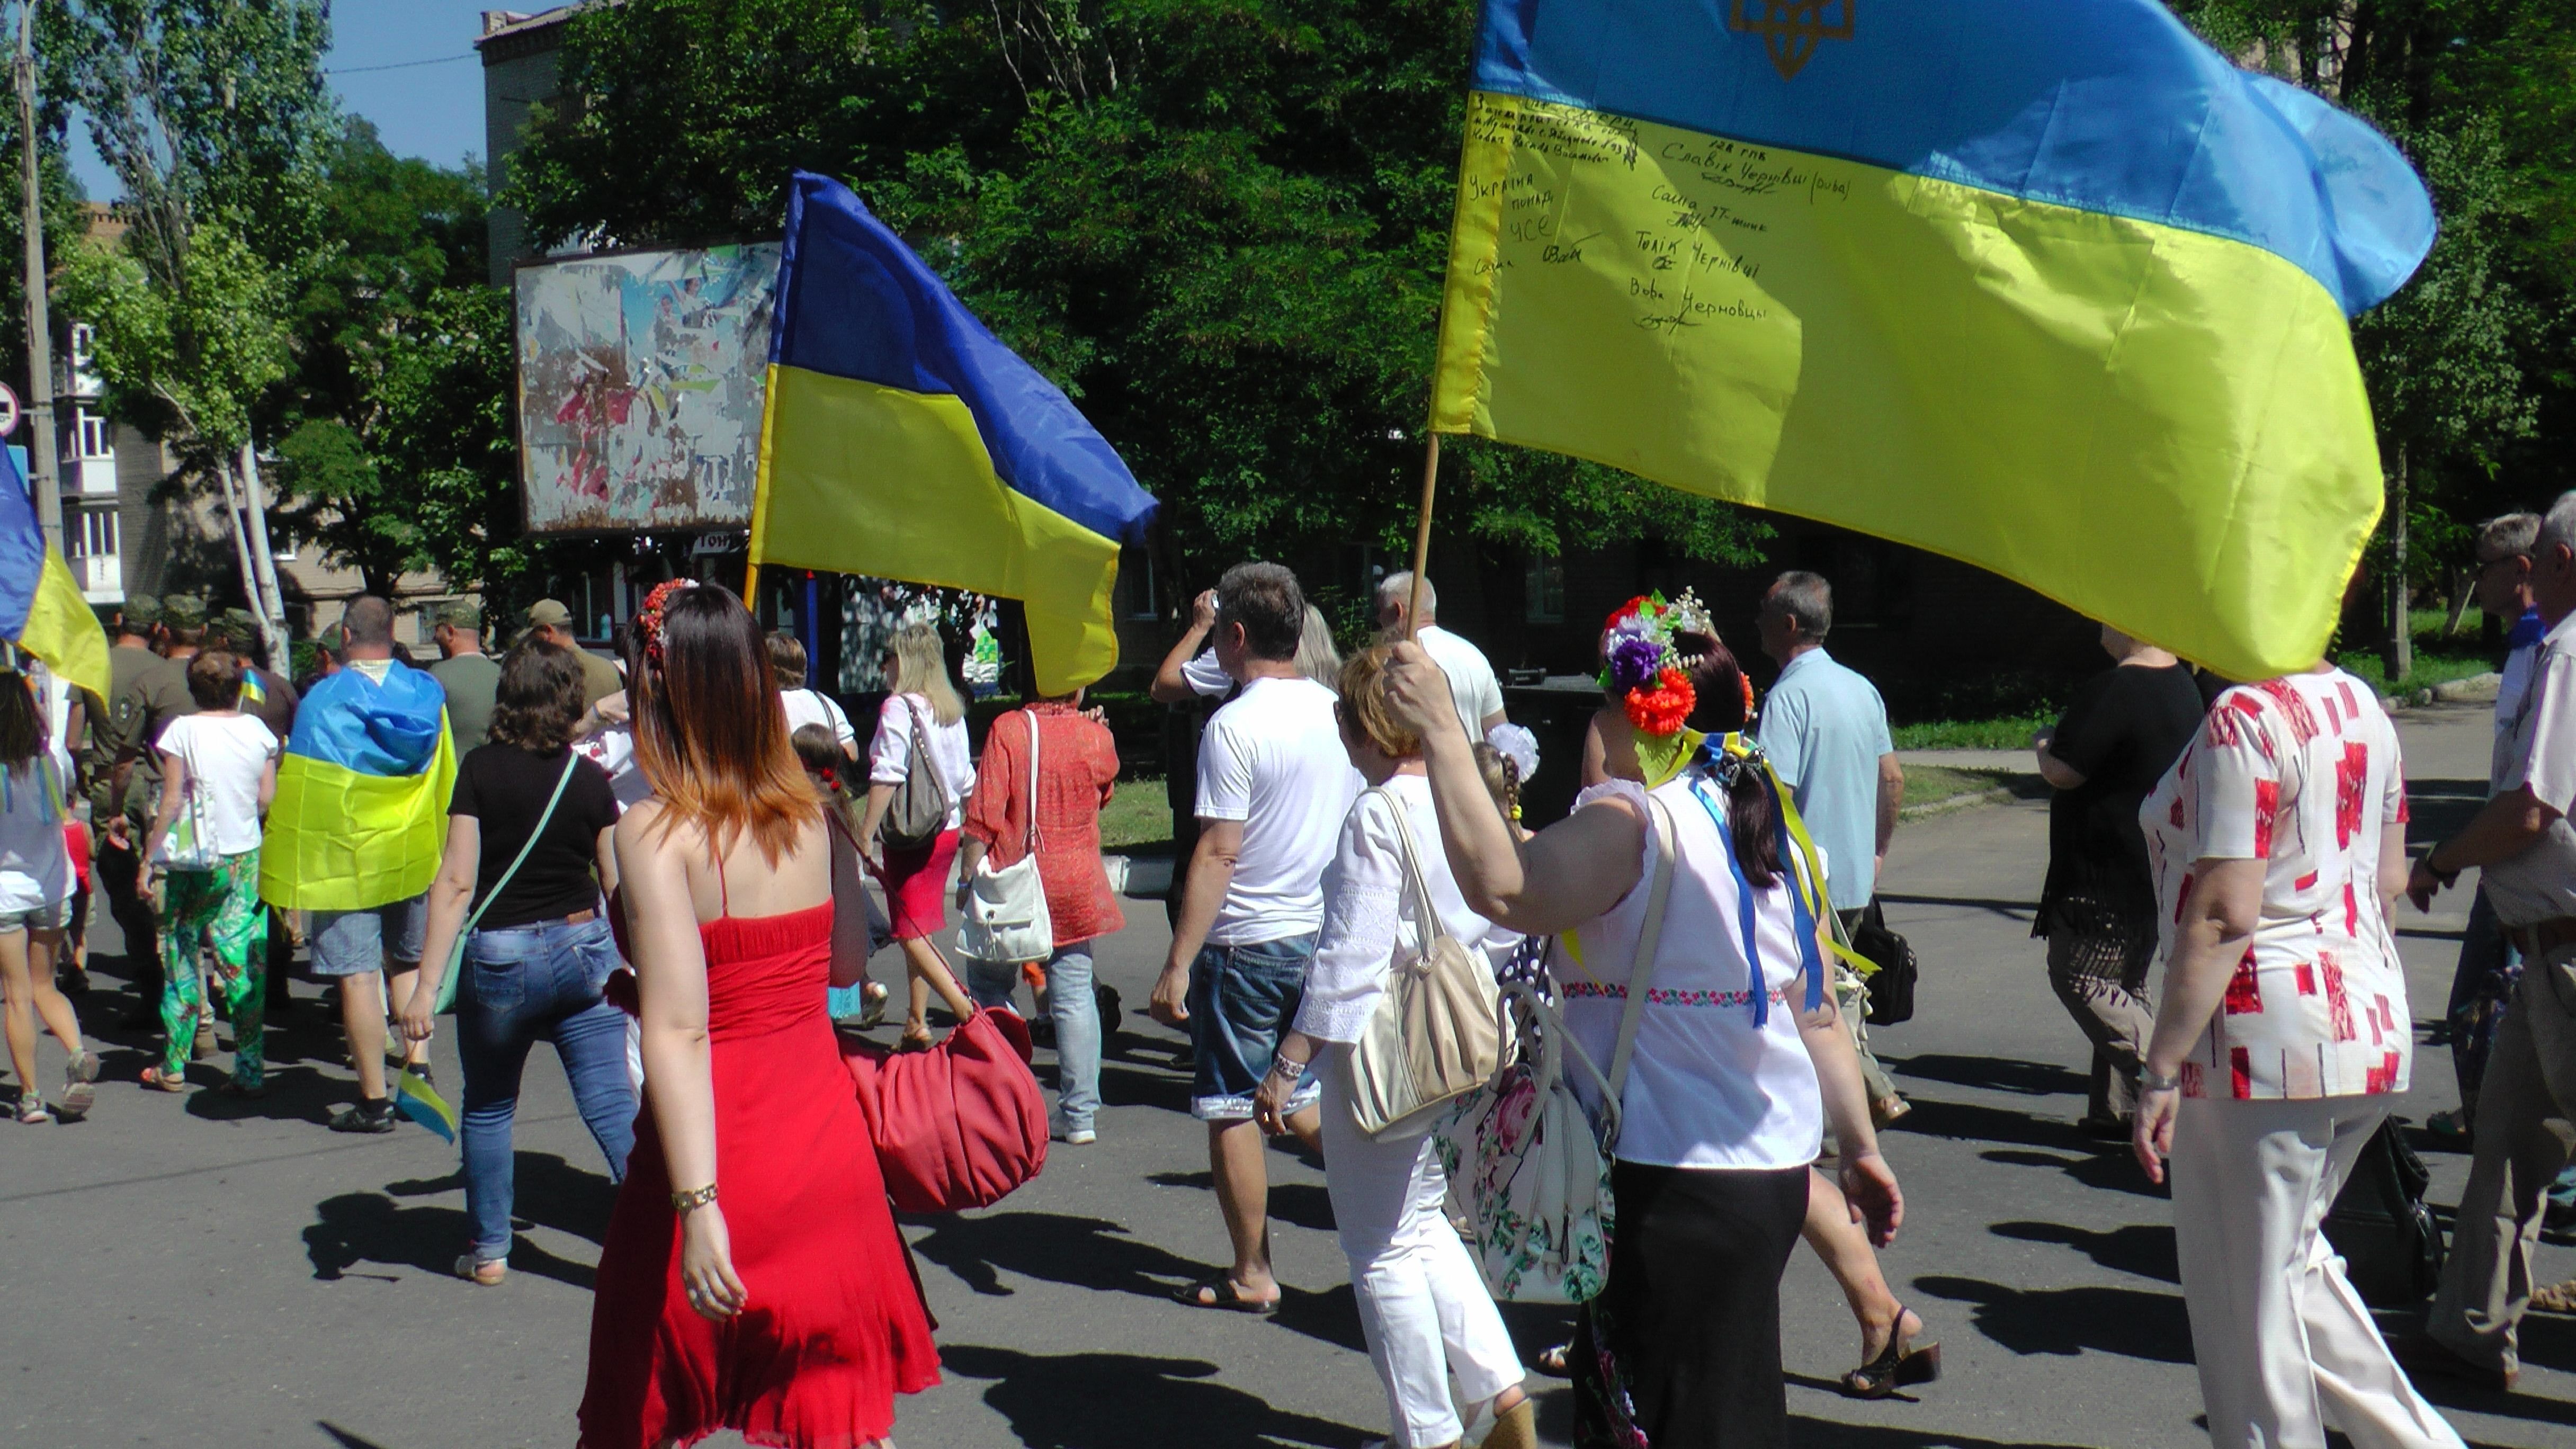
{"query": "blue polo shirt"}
{"type": "Point", "coordinates": [1824, 728]}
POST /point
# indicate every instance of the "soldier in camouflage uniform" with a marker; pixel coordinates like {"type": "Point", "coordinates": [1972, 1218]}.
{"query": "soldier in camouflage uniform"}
{"type": "Point", "coordinates": [119, 812]}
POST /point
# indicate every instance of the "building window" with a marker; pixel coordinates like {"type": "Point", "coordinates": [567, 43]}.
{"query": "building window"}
{"type": "Point", "coordinates": [1136, 572]}
{"type": "Point", "coordinates": [84, 345]}
{"type": "Point", "coordinates": [98, 533]}
{"type": "Point", "coordinates": [1543, 591]}
{"type": "Point", "coordinates": [93, 435]}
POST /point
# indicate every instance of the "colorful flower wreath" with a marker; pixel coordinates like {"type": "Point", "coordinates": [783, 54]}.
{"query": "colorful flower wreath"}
{"type": "Point", "coordinates": [1644, 670]}
{"type": "Point", "coordinates": [648, 619]}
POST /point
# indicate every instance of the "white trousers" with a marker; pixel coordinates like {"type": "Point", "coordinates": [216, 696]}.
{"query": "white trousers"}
{"type": "Point", "coordinates": [2285, 1347]}
{"type": "Point", "coordinates": [1423, 1306]}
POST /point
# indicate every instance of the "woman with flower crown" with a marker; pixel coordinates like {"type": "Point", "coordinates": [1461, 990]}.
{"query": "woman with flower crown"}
{"type": "Point", "coordinates": [1739, 1060]}
{"type": "Point", "coordinates": [752, 1278]}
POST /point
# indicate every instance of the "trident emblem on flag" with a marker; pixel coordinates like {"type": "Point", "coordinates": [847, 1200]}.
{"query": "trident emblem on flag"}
{"type": "Point", "coordinates": [1790, 29]}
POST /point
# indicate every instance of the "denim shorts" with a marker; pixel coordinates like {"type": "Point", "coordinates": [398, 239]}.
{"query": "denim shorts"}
{"type": "Point", "coordinates": [1242, 1000]}
{"type": "Point", "coordinates": [51, 917]}
{"type": "Point", "coordinates": [353, 943]}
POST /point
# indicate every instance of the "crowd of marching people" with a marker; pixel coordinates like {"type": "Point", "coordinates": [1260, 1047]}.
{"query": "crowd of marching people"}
{"type": "Point", "coordinates": [1621, 1060]}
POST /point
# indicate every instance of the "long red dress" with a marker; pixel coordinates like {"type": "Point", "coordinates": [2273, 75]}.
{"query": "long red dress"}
{"type": "Point", "coordinates": [834, 1328]}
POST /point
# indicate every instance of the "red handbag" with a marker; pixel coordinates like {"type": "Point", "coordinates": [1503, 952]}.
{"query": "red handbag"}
{"type": "Point", "coordinates": [960, 1125]}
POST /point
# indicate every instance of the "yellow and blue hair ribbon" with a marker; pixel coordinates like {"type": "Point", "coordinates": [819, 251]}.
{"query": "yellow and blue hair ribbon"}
{"type": "Point", "coordinates": [902, 439]}
{"type": "Point", "coordinates": [2053, 289]}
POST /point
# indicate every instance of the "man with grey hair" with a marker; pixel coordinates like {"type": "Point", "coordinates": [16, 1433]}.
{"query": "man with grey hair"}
{"type": "Point", "coordinates": [1274, 783]}
{"type": "Point", "coordinates": [2525, 851]}
{"type": "Point", "coordinates": [1471, 677]}
{"type": "Point", "coordinates": [1825, 729]}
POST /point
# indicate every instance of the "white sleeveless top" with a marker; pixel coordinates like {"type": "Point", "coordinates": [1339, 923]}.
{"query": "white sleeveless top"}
{"type": "Point", "coordinates": [1707, 1087]}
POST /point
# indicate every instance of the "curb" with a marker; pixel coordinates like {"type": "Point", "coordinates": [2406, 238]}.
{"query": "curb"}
{"type": "Point", "coordinates": [1974, 799]}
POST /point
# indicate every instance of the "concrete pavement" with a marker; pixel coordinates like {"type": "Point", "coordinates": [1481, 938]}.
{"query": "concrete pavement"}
{"type": "Point", "coordinates": [180, 1271]}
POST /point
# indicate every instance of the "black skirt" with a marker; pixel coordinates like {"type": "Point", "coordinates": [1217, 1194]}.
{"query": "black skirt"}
{"type": "Point", "coordinates": [1683, 1345]}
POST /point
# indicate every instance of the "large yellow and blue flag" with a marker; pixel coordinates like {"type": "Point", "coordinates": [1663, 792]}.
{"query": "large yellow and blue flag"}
{"type": "Point", "coordinates": [2051, 288]}
{"type": "Point", "coordinates": [902, 439]}
{"type": "Point", "coordinates": [41, 608]}
{"type": "Point", "coordinates": [360, 817]}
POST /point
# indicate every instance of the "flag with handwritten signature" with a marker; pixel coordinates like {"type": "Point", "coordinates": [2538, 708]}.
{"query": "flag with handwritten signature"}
{"type": "Point", "coordinates": [2054, 289]}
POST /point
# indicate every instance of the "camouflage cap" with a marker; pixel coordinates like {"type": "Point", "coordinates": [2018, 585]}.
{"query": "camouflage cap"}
{"type": "Point", "coordinates": [334, 640]}
{"type": "Point", "coordinates": [548, 612]}
{"type": "Point", "coordinates": [183, 611]}
{"type": "Point", "coordinates": [460, 614]}
{"type": "Point", "coordinates": [142, 611]}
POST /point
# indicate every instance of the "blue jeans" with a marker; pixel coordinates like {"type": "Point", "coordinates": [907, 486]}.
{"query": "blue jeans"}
{"type": "Point", "coordinates": [1077, 1024]}
{"type": "Point", "coordinates": [522, 985]}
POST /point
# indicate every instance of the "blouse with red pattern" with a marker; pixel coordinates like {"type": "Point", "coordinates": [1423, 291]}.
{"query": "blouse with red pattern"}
{"type": "Point", "coordinates": [1077, 771]}
{"type": "Point", "coordinates": [2303, 773]}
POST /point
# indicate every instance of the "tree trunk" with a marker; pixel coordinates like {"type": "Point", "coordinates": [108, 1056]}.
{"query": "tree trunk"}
{"type": "Point", "coordinates": [270, 599]}
{"type": "Point", "coordinates": [241, 536]}
{"type": "Point", "coordinates": [2400, 654]}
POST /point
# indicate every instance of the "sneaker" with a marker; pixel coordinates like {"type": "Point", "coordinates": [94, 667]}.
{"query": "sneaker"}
{"type": "Point", "coordinates": [374, 1117]}
{"type": "Point", "coordinates": [1080, 1137]}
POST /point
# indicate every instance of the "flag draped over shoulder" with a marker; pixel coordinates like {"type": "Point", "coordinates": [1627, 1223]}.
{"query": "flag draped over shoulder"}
{"type": "Point", "coordinates": [360, 817]}
{"type": "Point", "coordinates": [41, 608]}
{"type": "Point", "coordinates": [2053, 289]}
{"type": "Point", "coordinates": [901, 439]}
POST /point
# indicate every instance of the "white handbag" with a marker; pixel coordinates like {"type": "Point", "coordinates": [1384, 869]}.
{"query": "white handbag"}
{"type": "Point", "coordinates": [187, 845]}
{"type": "Point", "coordinates": [1006, 909]}
{"type": "Point", "coordinates": [1529, 1168]}
{"type": "Point", "coordinates": [1437, 1033]}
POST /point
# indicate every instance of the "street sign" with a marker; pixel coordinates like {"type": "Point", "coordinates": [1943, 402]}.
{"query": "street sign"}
{"type": "Point", "coordinates": [9, 410]}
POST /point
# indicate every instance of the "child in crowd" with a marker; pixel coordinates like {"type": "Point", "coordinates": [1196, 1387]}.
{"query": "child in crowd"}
{"type": "Point", "coordinates": [819, 750]}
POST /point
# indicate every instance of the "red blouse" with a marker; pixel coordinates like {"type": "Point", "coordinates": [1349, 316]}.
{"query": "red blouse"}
{"type": "Point", "coordinates": [1077, 771]}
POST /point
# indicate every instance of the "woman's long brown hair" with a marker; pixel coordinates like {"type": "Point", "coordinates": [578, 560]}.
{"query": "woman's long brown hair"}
{"type": "Point", "coordinates": [709, 730]}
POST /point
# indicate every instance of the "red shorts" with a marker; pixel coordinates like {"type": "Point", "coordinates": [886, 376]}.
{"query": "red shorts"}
{"type": "Point", "coordinates": [916, 885]}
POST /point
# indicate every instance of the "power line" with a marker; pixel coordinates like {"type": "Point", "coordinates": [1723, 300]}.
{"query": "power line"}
{"type": "Point", "coordinates": [399, 65]}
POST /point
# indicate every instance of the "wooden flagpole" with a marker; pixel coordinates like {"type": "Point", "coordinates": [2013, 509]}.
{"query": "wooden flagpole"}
{"type": "Point", "coordinates": [1422, 538]}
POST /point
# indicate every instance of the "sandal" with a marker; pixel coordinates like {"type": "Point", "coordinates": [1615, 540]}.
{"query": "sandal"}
{"type": "Point", "coordinates": [1222, 1292]}
{"type": "Point", "coordinates": [2556, 1298]}
{"type": "Point", "coordinates": [80, 1085]}
{"type": "Point", "coordinates": [911, 1041]}
{"type": "Point", "coordinates": [487, 1275]}
{"type": "Point", "coordinates": [1553, 1361]}
{"type": "Point", "coordinates": [235, 1088]}
{"type": "Point", "coordinates": [159, 1080]}
{"type": "Point", "coordinates": [872, 1005]}
{"type": "Point", "coordinates": [1898, 1365]}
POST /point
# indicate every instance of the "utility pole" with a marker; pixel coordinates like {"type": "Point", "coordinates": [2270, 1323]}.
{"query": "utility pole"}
{"type": "Point", "coordinates": [44, 467]}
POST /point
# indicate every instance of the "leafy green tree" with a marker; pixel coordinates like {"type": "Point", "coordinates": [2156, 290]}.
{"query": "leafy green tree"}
{"type": "Point", "coordinates": [1220, 225]}
{"type": "Point", "coordinates": [186, 354]}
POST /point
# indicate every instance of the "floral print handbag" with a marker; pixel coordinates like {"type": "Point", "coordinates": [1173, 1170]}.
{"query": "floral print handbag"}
{"type": "Point", "coordinates": [1528, 1165]}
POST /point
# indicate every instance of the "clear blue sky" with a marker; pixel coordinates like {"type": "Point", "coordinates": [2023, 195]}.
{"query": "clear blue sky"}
{"type": "Point", "coordinates": [434, 111]}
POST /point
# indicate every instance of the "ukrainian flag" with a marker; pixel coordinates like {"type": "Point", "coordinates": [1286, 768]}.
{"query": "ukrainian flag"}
{"type": "Point", "coordinates": [415, 1098]}
{"type": "Point", "coordinates": [901, 439]}
{"type": "Point", "coordinates": [360, 817]}
{"type": "Point", "coordinates": [2052, 288]}
{"type": "Point", "coordinates": [41, 608]}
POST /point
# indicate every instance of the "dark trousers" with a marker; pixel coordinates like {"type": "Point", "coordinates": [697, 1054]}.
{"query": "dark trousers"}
{"type": "Point", "coordinates": [2480, 986]}
{"type": "Point", "coordinates": [1691, 1313]}
{"type": "Point", "coordinates": [114, 870]}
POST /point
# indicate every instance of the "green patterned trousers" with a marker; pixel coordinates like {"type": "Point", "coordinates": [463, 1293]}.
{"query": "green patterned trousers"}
{"type": "Point", "coordinates": [218, 907]}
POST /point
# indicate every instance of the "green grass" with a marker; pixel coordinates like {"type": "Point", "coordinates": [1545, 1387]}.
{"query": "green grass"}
{"type": "Point", "coordinates": [2011, 732]}
{"type": "Point", "coordinates": [2430, 669]}
{"type": "Point", "coordinates": [1139, 814]}
{"type": "Point", "coordinates": [1932, 784]}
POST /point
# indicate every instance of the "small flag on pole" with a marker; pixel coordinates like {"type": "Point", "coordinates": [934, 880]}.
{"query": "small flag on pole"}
{"type": "Point", "coordinates": [418, 1100]}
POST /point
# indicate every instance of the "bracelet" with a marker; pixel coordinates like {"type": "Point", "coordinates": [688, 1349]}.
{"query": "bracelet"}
{"type": "Point", "coordinates": [1287, 1068]}
{"type": "Point", "coordinates": [684, 1203]}
{"type": "Point", "coordinates": [2448, 878]}
{"type": "Point", "coordinates": [2148, 1081]}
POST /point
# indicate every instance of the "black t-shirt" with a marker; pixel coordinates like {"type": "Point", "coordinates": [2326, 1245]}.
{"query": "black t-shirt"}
{"type": "Point", "coordinates": [2126, 727]}
{"type": "Point", "coordinates": [506, 788]}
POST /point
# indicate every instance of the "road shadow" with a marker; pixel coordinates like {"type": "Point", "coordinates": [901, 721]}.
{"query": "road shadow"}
{"type": "Point", "coordinates": [2438, 809]}
{"type": "Point", "coordinates": [1994, 1074]}
{"type": "Point", "coordinates": [2015, 910]}
{"type": "Point", "coordinates": [1299, 1204]}
{"type": "Point", "coordinates": [359, 1228]}
{"type": "Point", "coordinates": [545, 1191]}
{"type": "Point", "coordinates": [1809, 1433]}
{"type": "Point", "coordinates": [1080, 1252]}
{"type": "Point", "coordinates": [1976, 1122]}
{"type": "Point", "coordinates": [1129, 1401]}
{"type": "Point", "coordinates": [344, 1438]}
{"type": "Point", "coordinates": [1133, 1084]}
{"type": "Point", "coordinates": [2139, 1249]}
{"type": "Point", "coordinates": [2110, 1169]}
{"type": "Point", "coordinates": [2129, 1322]}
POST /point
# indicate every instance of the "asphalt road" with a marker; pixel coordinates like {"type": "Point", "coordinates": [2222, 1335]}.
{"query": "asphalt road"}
{"type": "Point", "coordinates": [181, 1271]}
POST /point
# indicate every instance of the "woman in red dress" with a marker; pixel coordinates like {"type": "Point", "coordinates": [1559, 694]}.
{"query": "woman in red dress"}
{"type": "Point", "coordinates": [752, 1277]}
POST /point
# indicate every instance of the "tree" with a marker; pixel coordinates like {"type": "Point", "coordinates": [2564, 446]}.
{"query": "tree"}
{"type": "Point", "coordinates": [1220, 225]}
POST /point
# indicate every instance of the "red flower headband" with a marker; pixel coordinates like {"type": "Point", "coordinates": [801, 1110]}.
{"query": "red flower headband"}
{"type": "Point", "coordinates": [648, 620]}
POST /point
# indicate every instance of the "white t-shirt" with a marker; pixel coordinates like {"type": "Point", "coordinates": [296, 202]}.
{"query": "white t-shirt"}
{"type": "Point", "coordinates": [814, 707]}
{"type": "Point", "coordinates": [613, 750]}
{"type": "Point", "coordinates": [2540, 883]}
{"type": "Point", "coordinates": [35, 868]}
{"type": "Point", "coordinates": [890, 754]}
{"type": "Point", "coordinates": [1707, 1087]}
{"type": "Point", "coordinates": [1471, 678]}
{"type": "Point", "coordinates": [1369, 911]}
{"type": "Point", "coordinates": [226, 755]}
{"type": "Point", "coordinates": [1273, 759]}
{"type": "Point", "coordinates": [1207, 677]}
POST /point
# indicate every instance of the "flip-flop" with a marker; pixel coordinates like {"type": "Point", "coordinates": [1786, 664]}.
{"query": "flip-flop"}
{"type": "Point", "coordinates": [1220, 1292]}
{"type": "Point", "coordinates": [80, 1085]}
